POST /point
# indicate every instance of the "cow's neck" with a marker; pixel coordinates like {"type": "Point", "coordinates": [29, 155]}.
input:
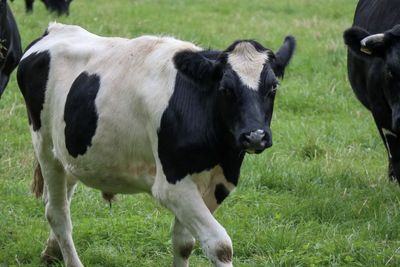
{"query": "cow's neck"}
{"type": "Point", "coordinates": [191, 136]}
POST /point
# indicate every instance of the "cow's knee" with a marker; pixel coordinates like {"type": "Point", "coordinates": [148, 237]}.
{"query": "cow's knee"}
{"type": "Point", "coordinates": [58, 218]}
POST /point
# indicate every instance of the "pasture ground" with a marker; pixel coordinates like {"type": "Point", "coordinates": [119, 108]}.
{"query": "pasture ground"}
{"type": "Point", "coordinates": [318, 197]}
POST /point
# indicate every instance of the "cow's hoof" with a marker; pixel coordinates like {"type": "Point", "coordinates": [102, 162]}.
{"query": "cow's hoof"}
{"type": "Point", "coordinates": [393, 173]}
{"type": "Point", "coordinates": [394, 178]}
{"type": "Point", "coordinates": [51, 255]}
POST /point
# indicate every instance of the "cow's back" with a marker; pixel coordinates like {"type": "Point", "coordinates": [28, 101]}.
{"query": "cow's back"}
{"type": "Point", "coordinates": [98, 107]}
{"type": "Point", "coordinates": [375, 16]}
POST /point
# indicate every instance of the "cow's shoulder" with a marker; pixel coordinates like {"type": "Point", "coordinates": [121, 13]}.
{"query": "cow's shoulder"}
{"type": "Point", "coordinates": [32, 76]}
{"type": "Point", "coordinates": [68, 41]}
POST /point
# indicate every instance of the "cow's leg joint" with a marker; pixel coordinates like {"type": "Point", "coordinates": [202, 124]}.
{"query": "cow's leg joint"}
{"type": "Point", "coordinates": [183, 243]}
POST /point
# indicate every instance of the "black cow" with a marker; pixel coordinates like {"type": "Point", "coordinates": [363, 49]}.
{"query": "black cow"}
{"type": "Point", "coordinates": [10, 44]}
{"type": "Point", "coordinates": [374, 69]}
{"type": "Point", "coordinates": [59, 6]}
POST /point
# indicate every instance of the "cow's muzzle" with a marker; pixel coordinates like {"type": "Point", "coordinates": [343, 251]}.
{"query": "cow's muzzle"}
{"type": "Point", "coordinates": [256, 141]}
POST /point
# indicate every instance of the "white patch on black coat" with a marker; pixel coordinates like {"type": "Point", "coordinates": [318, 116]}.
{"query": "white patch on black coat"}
{"type": "Point", "coordinates": [387, 132]}
{"type": "Point", "coordinates": [248, 63]}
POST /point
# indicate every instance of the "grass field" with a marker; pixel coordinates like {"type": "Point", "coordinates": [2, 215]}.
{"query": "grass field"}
{"type": "Point", "coordinates": [318, 197]}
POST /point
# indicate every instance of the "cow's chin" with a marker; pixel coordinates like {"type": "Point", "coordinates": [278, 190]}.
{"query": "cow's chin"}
{"type": "Point", "coordinates": [254, 151]}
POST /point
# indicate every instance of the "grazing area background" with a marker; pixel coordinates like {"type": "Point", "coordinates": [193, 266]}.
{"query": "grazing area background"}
{"type": "Point", "coordinates": [319, 197]}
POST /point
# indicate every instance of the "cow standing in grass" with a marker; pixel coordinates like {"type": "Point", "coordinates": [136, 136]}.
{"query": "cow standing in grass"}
{"type": "Point", "coordinates": [374, 69]}
{"type": "Point", "coordinates": [151, 114]}
{"type": "Point", "coordinates": [59, 6]}
{"type": "Point", "coordinates": [10, 44]}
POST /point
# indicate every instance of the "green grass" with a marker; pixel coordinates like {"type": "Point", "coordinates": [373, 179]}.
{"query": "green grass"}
{"type": "Point", "coordinates": [318, 197]}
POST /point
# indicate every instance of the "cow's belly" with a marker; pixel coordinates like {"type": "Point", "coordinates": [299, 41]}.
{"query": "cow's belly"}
{"type": "Point", "coordinates": [135, 178]}
{"type": "Point", "coordinates": [115, 162]}
{"type": "Point", "coordinates": [116, 155]}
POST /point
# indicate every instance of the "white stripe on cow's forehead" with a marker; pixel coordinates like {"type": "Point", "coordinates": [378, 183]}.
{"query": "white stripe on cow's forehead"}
{"type": "Point", "coordinates": [248, 63]}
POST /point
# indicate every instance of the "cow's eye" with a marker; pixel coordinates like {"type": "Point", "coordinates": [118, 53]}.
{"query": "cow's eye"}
{"type": "Point", "coordinates": [272, 92]}
{"type": "Point", "coordinates": [227, 92]}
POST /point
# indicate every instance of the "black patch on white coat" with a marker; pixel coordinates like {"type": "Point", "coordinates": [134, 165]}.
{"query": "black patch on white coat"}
{"type": "Point", "coordinates": [32, 76]}
{"type": "Point", "coordinates": [80, 113]}
{"type": "Point", "coordinates": [221, 192]}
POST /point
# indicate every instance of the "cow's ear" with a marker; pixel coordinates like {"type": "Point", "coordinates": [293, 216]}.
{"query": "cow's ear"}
{"type": "Point", "coordinates": [197, 67]}
{"type": "Point", "coordinates": [392, 35]}
{"type": "Point", "coordinates": [283, 56]}
{"type": "Point", "coordinates": [364, 44]}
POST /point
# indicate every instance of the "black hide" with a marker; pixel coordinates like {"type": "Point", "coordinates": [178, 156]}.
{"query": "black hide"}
{"type": "Point", "coordinates": [61, 7]}
{"type": "Point", "coordinates": [32, 75]}
{"type": "Point", "coordinates": [374, 70]}
{"type": "Point", "coordinates": [10, 44]}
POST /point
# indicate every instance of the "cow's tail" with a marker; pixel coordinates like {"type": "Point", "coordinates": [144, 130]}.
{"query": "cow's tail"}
{"type": "Point", "coordinates": [37, 183]}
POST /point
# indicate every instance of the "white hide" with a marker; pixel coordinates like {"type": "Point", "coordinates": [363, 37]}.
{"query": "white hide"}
{"type": "Point", "coordinates": [137, 78]}
{"type": "Point", "coordinates": [248, 63]}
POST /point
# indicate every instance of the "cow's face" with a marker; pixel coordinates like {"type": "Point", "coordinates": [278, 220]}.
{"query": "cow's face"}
{"type": "Point", "coordinates": [385, 47]}
{"type": "Point", "coordinates": [245, 80]}
{"type": "Point", "coordinates": [59, 6]}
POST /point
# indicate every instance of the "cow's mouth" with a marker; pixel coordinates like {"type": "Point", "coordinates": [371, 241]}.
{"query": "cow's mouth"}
{"type": "Point", "coordinates": [254, 151]}
{"type": "Point", "coordinates": [254, 147]}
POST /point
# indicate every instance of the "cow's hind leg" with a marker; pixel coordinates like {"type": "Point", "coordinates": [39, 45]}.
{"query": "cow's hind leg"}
{"type": "Point", "coordinates": [52, 251]}
{"type": "Point", "coordinates": [58, 213]}
{"type": "Point", "coordinates": [183, 243]}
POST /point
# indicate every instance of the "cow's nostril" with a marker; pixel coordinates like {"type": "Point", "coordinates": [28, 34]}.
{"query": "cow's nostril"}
{"type": "Point", "coordinates": [255, 141]}
{"type": "Point", "coordinates": [255, 136]}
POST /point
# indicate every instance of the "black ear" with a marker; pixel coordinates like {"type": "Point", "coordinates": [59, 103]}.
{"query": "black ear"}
{"type": "Point", "coordinates": [283, 56]}
{"type": "Point", "coordinates": [197, 67]}
{"type": "Point", "coordinates": [363, 44]}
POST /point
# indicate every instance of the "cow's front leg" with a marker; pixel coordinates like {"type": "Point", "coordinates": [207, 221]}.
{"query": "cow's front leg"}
{"type": "Point", "coordinates": [183, 243]}
{"type": "Point", "coordinates": [186, 202]}
{"type": "Point", "coordinates": [392, 143]}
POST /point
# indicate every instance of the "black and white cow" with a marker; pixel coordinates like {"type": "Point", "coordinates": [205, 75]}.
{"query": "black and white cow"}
{"type": "Point", "coordinates": [374, 69]}
{"type": "Point", "coordinates": [10, 44]}
{"type": "Point", "coordinates": [59, 6]}
{"type": "Point", "coordinates": [151, 114]}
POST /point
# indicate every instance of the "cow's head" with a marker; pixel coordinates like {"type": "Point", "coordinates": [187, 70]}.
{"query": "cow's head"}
{"type": "Point", "coordinates": [385, 47]}
{"type": "Point", "coordinates": [59, 6]}
{"type": "Point", "coordinates": [244, 80]}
